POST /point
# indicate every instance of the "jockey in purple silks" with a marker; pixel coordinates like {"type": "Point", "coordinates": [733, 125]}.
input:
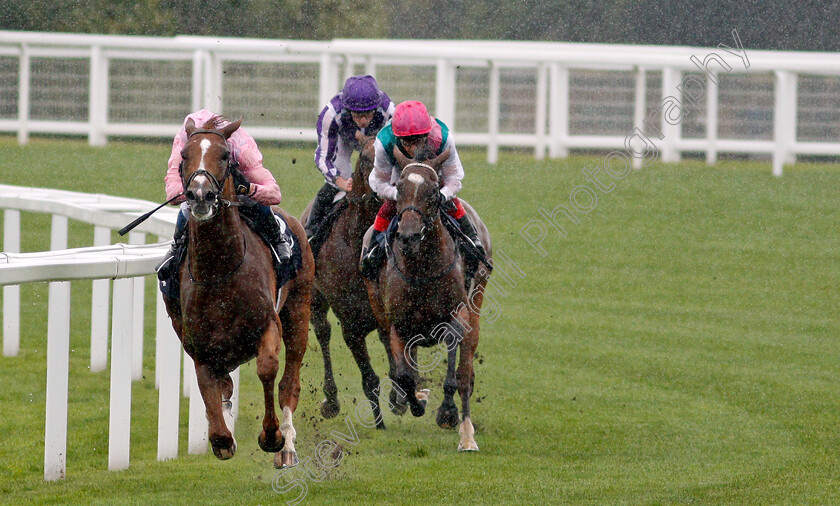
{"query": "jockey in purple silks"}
{"type": "Point", "coordinates": [360, 108]}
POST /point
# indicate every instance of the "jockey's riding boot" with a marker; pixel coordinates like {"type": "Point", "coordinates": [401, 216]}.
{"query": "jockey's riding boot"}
{"type": "Point", "coordinates": [278, 239]}
{"type": "Point", "coordinates": [472, 234]}
{"type": "Point", "coordinates": [373, 255]}
{"type": "Point", "coordinates": [266, 222]}
{"type": "Point", "coordinates": [320, 208]}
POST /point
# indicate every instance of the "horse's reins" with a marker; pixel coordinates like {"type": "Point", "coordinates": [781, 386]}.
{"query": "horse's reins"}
{"type": "Point", "coordinates": [427, 223]}
{"type": "Point", "coordinates": [219, 185]}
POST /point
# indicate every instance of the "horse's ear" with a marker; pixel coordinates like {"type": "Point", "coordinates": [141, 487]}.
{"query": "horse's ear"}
{"type": "Point", "coordinates": [402, 161]}
{"type": "Point", "coordinates": [228, 130]}
{"type": "Point", "coordinates": [189, 127]}
{"type": "Point", "coordinates": [439, 159]}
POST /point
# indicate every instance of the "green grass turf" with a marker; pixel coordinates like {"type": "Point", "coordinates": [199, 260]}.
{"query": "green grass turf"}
{"type": "Point", "coordinates": [678, 346]}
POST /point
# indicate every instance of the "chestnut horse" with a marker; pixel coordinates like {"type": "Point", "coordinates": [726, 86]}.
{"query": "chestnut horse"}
{"type": "Point", "coordinates": [420, 295]}
{"type": "Point", "coordinates": [339, 285]}
{"type": "Point", "coordinates": [228, 311]}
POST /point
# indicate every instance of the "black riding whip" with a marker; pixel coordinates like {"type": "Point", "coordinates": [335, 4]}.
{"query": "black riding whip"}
{"type": "Point", "coordinates": [126, 229]}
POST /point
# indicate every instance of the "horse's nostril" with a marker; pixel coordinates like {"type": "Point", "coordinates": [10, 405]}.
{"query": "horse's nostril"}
{"type": "Point", "coordinates": [210, 197]}
{"type": "Point", "coordinates": [190, 195]}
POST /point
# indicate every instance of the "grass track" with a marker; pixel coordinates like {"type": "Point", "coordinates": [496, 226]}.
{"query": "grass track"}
{"type": "Point", "coordinates": [679, 345]}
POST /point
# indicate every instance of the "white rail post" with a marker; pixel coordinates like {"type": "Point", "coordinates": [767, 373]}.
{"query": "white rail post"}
{"type": "Point", "coordinates": [58, 370]}
{"type": "Point", "coordinates": [791, 124]}
{"type": "Point", "coordinates": [445, 93]}
{"type": "Point", "coordinates": [168, 371]}
{"type": "Point", "coordinates": [370, 67]}
{"type": "Point", "coordinates": [327, 79]}
{"type": "Point", "coordinates": [212, 82]}
{"type": "Point", "coordinates": [137, 315]}
{"type": "Point", "coordinates": [712, 112]}
{"type": "Point", "coordinates": [198, 425]}
{"type": "Point", "coordinates": [541, 110]}
{"type": "Point", "coordinates": [672, 132]}
{"type": "Point", "coordinates": [11, 294]}
{"type": "Point", "coordinates": [24, 78]}
{"type": "Point", "coordinates": [98, 98]}
{"type": "Point", "coordinates": [234, 398]}
{"type": "Point", "coordinates": [558, 119]}
{"type": "Point", "coordinates": [640, 106]}
{"type": "Point", "coordinates": [99, 313]}
{"type": "Point", "coordinates": [197, 79]}
{"type": "Point", "coordinates": [493, 115]}
{"type": "Point", "coordinates": [189, 375]}
{"type": "Point", "coordinates": [784, 120]}
{"type": "Point", "coordinates": [119, 430]}
{"type": "Point", "coordinates": [162, 323]}
{"type": "Point", "coordinates": [58, 233]}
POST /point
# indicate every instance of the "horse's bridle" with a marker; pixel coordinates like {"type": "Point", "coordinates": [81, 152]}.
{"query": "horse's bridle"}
{"type": "Point", "coordinates": [218, 185]}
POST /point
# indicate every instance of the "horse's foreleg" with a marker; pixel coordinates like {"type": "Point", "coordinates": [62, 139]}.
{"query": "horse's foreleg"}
{"type": "Point", "coordinates": [396, 401]}
{"type": "Point", "coordinates": [330, 406]}
{"type": "Point", "coordinates": [370, 381]}
{"type": "Point", "coordinates": [405, 378]}
{"type": "Point", "coordinates": [465, 379]}
{"type": "Point", "coordinates": [270, 439]}
{"type": "Point", "coordinates": [447, 416]}
{"type": "Point", "coordinates": [295, 318]}
{"type": "Point", "coordinates": [222, 441]}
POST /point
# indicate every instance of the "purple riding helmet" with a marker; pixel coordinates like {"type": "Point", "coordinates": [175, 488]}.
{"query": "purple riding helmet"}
{"type": "Point", "coordinates": [360, 93]}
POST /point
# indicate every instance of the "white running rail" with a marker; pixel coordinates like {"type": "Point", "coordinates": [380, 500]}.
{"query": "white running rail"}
{"type": "Point", "coordinates": [127, 265]}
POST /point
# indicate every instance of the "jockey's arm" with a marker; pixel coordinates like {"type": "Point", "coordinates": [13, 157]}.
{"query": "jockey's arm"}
{"type": "Point", "coordinates": [264, 188]}
{"type": "Point", "coordinates": [174, 186]}
{"type": "Point", "coordinates": [453, 171]}
{"type": "Point", "coordinates": [327, 131]}
{"type": "Point", "coordinates": [380, 176]}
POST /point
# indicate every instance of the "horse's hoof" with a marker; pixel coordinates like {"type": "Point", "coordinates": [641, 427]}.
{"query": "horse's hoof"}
{"type": "Point", "coordinates": [283, 459]}
{"type": "Point", "coordinates": [469, 446]}
{"type": "Point", "coordinates": [330, 408]}
{"type": "Point", "coordinates": [397, 407]}
{"type": "Point", "coordinates": [423, 396]}
{"type": "Point", "coordinates": [418, 408]}
{"type": "Point", "coordinates": [447, 418]}
{"type": "Point", "coordinates": [273, 444]}
{"type": "Point", "coordinates": [224, 453]}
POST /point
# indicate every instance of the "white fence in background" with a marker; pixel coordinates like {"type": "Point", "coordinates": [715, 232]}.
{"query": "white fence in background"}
{"type": "Point", "coordinates": [548, 96]}
{"type": "Point", "coordinates": [127, 265]}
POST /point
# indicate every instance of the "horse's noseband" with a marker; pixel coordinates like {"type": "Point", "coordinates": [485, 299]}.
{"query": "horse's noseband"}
{"type": "Point", "coordinates": [428, 223]}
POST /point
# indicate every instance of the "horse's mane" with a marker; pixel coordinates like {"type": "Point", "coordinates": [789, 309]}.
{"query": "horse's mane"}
{"type": "Point", "coordinates": [215, 122]}
{"type": "Point", "coordinates": [423, 153]}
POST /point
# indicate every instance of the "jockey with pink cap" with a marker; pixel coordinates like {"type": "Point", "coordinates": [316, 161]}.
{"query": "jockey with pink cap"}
{"type": "Point", "coordinates": [409, 129]}
{"type": "Point", "coordinates": [255, 185]}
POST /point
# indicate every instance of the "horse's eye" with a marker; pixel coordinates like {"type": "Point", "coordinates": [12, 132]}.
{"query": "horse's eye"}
{"type": "Point", "coordinates": [225, 156]}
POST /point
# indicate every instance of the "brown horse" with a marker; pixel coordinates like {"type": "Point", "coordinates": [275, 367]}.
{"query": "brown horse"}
{"type": "Point", "coordinates": [339, 285]}
{"type": "Point", "coordinates": [421, 298]}
{"type": "Point", "coordinates": [229, 298]}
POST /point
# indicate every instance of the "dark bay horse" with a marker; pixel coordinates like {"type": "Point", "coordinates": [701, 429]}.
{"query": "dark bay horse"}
{"type": "Point", "coordinates": [421, 298]}
{"type": "Point", "coordinates": [339, 285]}
{"type": "Point", "coordinates": [228, 311]}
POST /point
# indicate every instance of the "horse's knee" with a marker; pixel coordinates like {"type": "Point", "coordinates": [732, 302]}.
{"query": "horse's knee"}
{"type": "Point", "coordinates": [267, 367]}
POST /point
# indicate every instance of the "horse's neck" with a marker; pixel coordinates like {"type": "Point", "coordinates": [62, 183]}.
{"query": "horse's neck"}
{"type": "Point", "coordinates": [436, 252]}
{"type": "Point", "coordinates": [216, 242]}
{"type": "Point", "coordinates": [360, 213]}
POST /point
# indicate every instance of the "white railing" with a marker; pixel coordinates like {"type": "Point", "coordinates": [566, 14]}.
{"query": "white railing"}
{"type": "Point", "coordinates": [271, 81]}
{"type": "Point", "coordinates": [127, 265]}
